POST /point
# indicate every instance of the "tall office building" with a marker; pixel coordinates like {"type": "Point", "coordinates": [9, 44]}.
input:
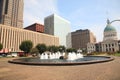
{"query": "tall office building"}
{"type": "Point", "coordinates": [58, 26]}
{"type": "Point", "coordinates": [11, 13]}
{"type": "Point", "coordinates": [80, 38]}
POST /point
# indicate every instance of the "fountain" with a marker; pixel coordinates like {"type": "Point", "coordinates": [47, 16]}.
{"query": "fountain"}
{"type": "Point", "coordinates": [50, 55]}
{"type": "Point", "coordinates": [55, 59]}
{"type": "Point", "coordinates": [71, 56]}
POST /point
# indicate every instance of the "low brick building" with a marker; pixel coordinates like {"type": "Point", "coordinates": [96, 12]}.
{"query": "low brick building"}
{"type": "Point", "coordinates": [36, 27]}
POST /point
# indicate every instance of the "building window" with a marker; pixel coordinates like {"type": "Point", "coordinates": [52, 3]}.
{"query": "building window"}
{"type": "Point", "coordinates": [109, 49]}
{"type": "Point", "coordinates": [106, 50]}
{"type": "Point", "coordinates": [112, 44]}
{"type": "Point", "coordinates": [109, 45]}
{"type": "Point", "coordinates": [113, 49]}
{"type": "Point", "coordinates": [106, 45]}
{"type": "Point", "coordinates": [6, 6]}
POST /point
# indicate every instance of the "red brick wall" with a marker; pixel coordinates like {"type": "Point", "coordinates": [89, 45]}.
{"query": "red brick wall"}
{"type": "Point", "coordinates": [36, 27]}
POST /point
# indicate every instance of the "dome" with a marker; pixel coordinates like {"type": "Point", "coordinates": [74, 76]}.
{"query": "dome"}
{"type": "Point", "coordinates": [109, 28]}
{"type": "Point", "coordinates": [110, 32]}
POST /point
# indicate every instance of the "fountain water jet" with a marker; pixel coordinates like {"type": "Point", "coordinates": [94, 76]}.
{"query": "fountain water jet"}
{"type": "Point", "coordinates": [70, 56]}
{"type": "Point", "coordinates": [74, 56]}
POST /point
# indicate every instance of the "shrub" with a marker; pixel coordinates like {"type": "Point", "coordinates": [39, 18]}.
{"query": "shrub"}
{"type": "Point", "coordinates": [1, 46]}
{"type": "Point", "coordinates": [26, 46]}
{"type": "Point", "coordinates": [41, 48]}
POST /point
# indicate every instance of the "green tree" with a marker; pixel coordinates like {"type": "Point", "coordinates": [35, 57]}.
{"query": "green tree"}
{"type": "Point", "coordinates": [34, 51]}
{"type": "Point", "coordinates": [1, 46]}
{"type": "Point", "coordinates": [84, 50]}
{"type": "Point", "coordinates": [26, 46]}
{"type": "Point", "coordinates": [53, 48]}
{"type": "Point", "coordinates": [71, 50]}
{"type": "Point", "coordinates": [41, 48]}
{"type": "Point", "coordinates": [62, 48]}
{"type": "Point", "coordinates": [74, 50]}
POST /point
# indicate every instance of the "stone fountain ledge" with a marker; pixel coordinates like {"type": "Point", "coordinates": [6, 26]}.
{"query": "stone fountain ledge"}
{"type": "Point", "coordinates": [19, 61]}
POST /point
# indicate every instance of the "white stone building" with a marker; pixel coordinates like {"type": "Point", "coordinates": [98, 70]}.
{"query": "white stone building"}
{"type": "Point", "coordinates": [110, 41]}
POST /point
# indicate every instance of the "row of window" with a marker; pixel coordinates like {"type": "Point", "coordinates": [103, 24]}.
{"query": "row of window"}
{"type": "Point", "coordinates": [110, 45]}
{"type": "Point", "coordinates": [110, 35]}
{"type": "Point", "coordinates": [11, 38]}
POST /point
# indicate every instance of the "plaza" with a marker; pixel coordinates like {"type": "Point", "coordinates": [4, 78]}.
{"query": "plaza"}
{"type": "Point", "coordinates": [57, 31]}
{"type": "Point", "coordinates": [101, 71]}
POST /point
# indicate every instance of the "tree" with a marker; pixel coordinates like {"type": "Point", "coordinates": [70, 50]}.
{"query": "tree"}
{"type": "Point", "coordinates": [84, 50]}
{"type": "Point", "coordinates": [71, 50]}
{"type": "Point", "coordinates": [74, 50]}
{"type": "Point", "coordinates": [26, 46]}
{"type": "Point", "coordinates": [41, 48]}
{"type": "Point", "coordinates": [62, 48]}
{"type": "Point", "coordinates": [34, 51]}
{"type": "Point", "coordinates": [1, 46]}
{"type": "Point", "coordinates": [53, 48]}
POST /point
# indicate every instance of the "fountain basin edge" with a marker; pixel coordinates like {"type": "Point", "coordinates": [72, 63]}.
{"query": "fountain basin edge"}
{"type": "Point", "coordinates": [19, 61]}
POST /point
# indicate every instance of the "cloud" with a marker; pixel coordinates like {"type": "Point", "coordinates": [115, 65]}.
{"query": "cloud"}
{"type": "Point", "coordinates": [37, 10]}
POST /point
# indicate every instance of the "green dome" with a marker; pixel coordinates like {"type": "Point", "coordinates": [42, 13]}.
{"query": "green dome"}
{"type": "Point", "coordinates": [109, 28]}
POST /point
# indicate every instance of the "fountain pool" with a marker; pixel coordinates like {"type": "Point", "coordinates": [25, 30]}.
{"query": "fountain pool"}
{"type": "Point", "coordinates": [53, 59]}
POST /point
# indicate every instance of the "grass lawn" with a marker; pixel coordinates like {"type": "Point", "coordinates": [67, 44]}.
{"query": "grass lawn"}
{"type": "Point", "coordinates": [117, 54]}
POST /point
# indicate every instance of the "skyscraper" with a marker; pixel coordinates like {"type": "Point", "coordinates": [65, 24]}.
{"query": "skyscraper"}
{"type": "Point", "coordinates": [11, 13]}
{"type": "Point", "coordinates": [60, 27]}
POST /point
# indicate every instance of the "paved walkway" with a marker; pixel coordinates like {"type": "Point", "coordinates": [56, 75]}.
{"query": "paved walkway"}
{"type": "Point", "coordinates": [101, 71]}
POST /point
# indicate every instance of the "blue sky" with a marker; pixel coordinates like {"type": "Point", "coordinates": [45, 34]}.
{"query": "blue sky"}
{"type": "Point", "coordinates": [83, 14]}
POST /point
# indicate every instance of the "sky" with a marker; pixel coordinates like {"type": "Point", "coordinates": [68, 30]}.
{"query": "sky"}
{"type": "Point", "coordinates": [82, 14]}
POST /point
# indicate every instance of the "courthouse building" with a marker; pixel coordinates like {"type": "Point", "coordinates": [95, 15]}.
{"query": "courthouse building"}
{"type": "Point", "coordinates": [110, 41]}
